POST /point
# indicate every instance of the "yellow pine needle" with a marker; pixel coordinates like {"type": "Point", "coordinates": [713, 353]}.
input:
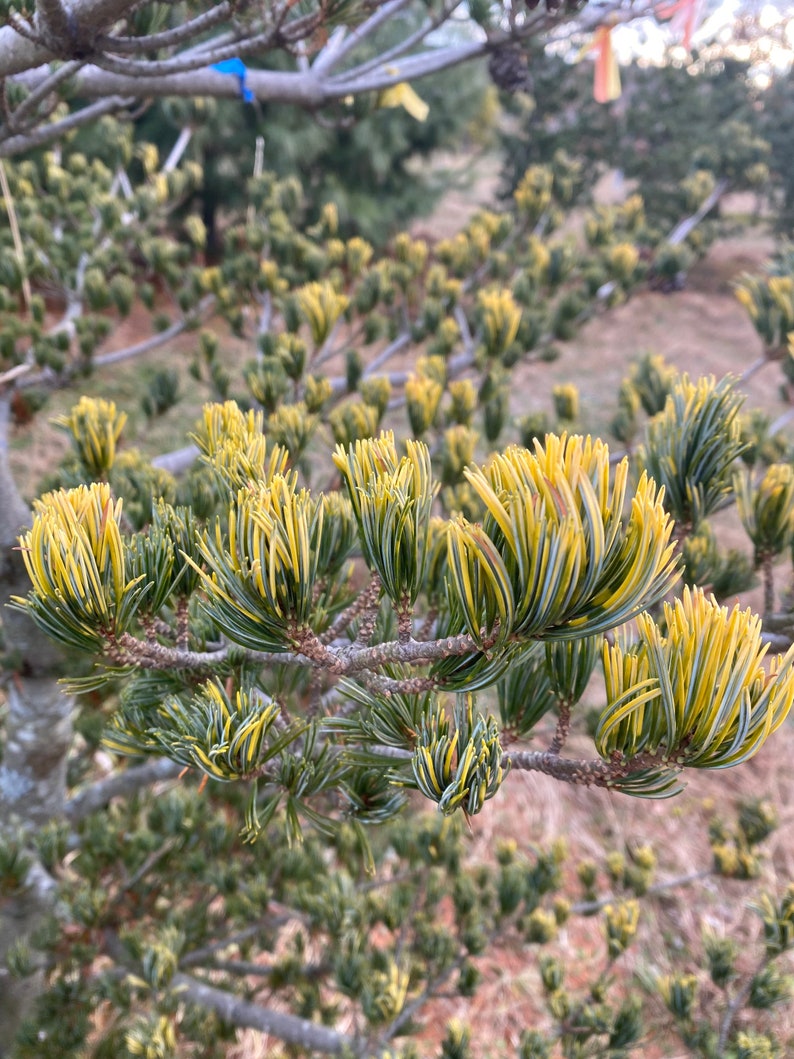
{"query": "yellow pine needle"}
{"type": "Point", "coordinates": [449, 757]}
{"type": "Point", "coordinates": [720, 705]}
{"type": "Point", "coordinates": [75, 553]}
{"type": "Point", "coordinates": [429, 769]}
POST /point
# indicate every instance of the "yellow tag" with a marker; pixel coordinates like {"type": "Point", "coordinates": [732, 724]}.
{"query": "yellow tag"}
{"type": "Point", "coordinates": [402, 95]}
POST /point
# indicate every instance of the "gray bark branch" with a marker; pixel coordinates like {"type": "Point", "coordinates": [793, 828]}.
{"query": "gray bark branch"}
{"type": "Point", "coordinates": [86, 35]}
{"type": "Point", "coordinates": [242, 1013]}
{"type": "Point", "coordinates": [119, 785]}
{"type": "Point", "coordinates": [679, 233]}
{"type": "Point", "coordinates": [45, 134]}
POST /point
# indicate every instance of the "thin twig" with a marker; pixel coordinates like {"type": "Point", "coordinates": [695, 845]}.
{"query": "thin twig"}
{"type": "Point", "coordinates": [755, 367]}
{"type": "Point", "coordinates": [367, 28]}
{"type": "Point", "coordinates": [188, 61]}
{"type": "Point", "coordinates": [736, 1005]}
{"type": "Point", "coordinates": [149, 862]}
{"type": "Point", "coordinates": [149, 344]}
{"type": "Point", "coordinates": [242, 1013]}
{"type": "Point", "coordinates": [57, 129]}
{"type": "Point", "coordinates": [169, 37]}
{"type": "Point", "coordinates": [418, 1002]}
{"type": "Point", "coordinates": [391, 350]}
{"type": "Point", "coordinates": [397, 50]}
{"type": "Point", "coordinates": [40, 93]}
{"type": "Point", "coordinates": [179, 148]}
{"type": "Point", "coordinates": [13, 374]}
{"type": "Point", "coordinates": [261, 970]}
{"type": "Point", "coordinates": [360, 605]}
{"type": "Point", "coordinates": [562, 730]}
{"type": "Point", "coordinates": [253, 930]}
{"type": "Point", "coordinates": [589, 908]}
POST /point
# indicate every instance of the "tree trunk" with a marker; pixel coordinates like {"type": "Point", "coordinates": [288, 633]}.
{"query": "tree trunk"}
{"type": "Point", "coordinates": [38, 734]}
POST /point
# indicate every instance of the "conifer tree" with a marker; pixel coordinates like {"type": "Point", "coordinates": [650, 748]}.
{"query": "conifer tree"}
{"type": "Point", "coordinates": [364, 595]}
{"type": "Point", "coordinates": [326, 619]}
{"type": "Point", "coordinates": [777, 125]}
{"type": "Point", "coordinates": [97, 52]}
{"type": "Point", "coordinates": [677, 129]}
{"type": "Point", "coordinates": [366, 156]}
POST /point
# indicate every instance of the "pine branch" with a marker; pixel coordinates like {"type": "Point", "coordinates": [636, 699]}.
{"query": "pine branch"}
{"type": "Point", "coordinates": [341, 660]}
{"type": "Point", "coordinates": [393, 686]}
{"type": "Point", "coordinates": [416, 652]}
{"type": "Point", "coordinates": [328, 60]}
{"type": "Point", "coordinates": [589, 908]}
{"type": "Point", "coordinates": [120, 785]}
{"type": "Point", "coordinates": [735, 1006]}
{"type": "Point", "coordinates": [242, 1013]}
{"type": "Point", "coordinates": [45, 134]}
{"type": "Point", "coordinates": [128, 650]}
{"type": "Point", "coordinates": [594, 772]}
{"type": "Point", "coordinates": [147, 68]}
{"type": "Point", "coordinates": [169, 37]}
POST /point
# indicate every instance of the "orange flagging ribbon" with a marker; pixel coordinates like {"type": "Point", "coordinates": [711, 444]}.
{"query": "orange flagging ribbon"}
{"type": "Point", "coordinates": [606, 85]}
{"type": "Point", "coordinates": [685, 17]}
